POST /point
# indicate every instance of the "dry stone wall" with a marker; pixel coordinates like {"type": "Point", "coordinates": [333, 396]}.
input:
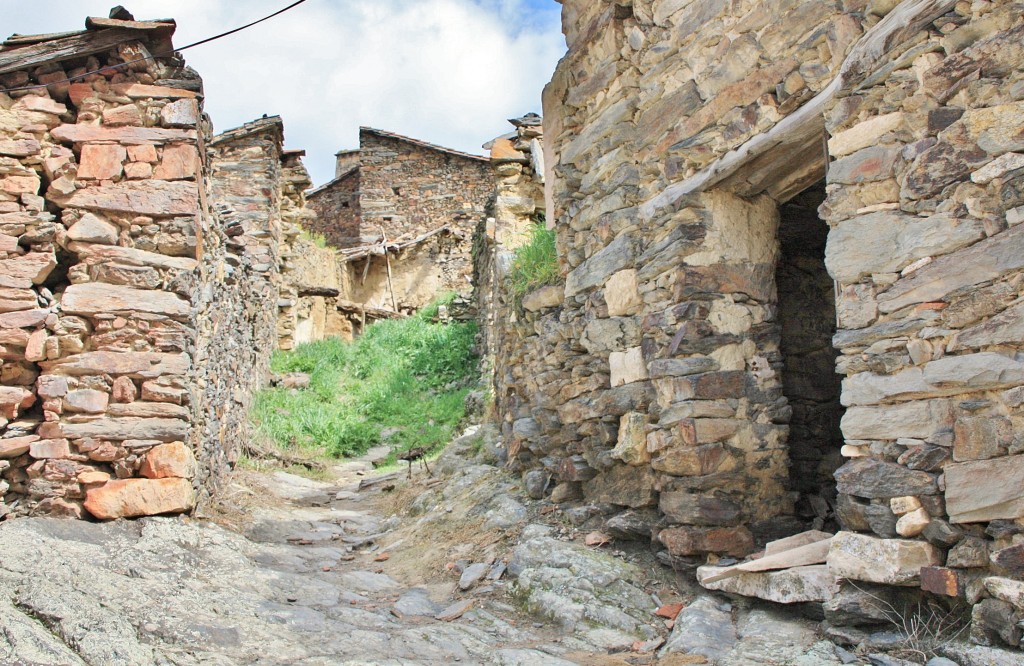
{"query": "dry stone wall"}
{"type": "Point", "coordinates": [103, 213]}
{"type": "Point", "coordinates": [677, 383]}
{"type": "Point", "coordinates": [409, 187]}
{"type": "Point", "coordinates": [140, 275]}
{"type": "Point", "coordinates": [336, 205]}
{"type": "Point", "coordinates": [513, 349]}
{"type": "Point", "coordinates": [930, 333]}
{"type": "Point", "coordinates": [248, 187]}
{"type": "Point", "coordinates": [404, 191]}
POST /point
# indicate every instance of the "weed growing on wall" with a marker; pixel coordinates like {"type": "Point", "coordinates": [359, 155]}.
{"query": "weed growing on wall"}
{"type": "Point", "coordinates": [313, 237]}
{"type": "Point", "coordinates": [535, 263]}
{"type": "Point", "coordinates": [402, 383]}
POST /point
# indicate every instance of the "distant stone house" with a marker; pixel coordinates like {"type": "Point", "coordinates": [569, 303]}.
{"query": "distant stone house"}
{"type": "Point", "coordinates": [400, 184]}
{"type": "Point", "coordinates": [400, 189]}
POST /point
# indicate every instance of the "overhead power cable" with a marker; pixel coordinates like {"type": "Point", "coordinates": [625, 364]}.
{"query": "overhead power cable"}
{"type": "Point", "coordinates": [157, 55]}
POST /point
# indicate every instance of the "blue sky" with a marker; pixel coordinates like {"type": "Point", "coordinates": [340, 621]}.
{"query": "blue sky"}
{"type": "Point", "coordinates": [445, 71]}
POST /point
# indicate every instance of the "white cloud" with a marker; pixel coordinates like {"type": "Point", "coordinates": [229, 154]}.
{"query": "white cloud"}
{"type": "Point", "coordinates": [445, 71]}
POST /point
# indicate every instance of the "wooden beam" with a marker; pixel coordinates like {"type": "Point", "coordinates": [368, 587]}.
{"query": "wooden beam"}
{"type": "Point", "coordinates": [798, 130]}
{"type": "Point", "coordinates": [24, 40]}
{"type": "Point", "coordinates": [75, 46]}
{"type": "Point", "coordinates": [97, 22]}
{"type": "Point", "coordinates": [795, 541]}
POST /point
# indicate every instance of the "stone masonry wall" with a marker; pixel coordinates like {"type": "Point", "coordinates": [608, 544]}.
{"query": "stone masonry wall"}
{"type": "Point", "coordinates": [239, 307]}
{"type": "Point", "coordinates": [409, 188]}
{"type": "Point", "coordinates": [139, 278]}
{"type": "Point", "coordinates": [336, 205]}
{"type": "Point", "coordinates": [511, 340]}
{"type": "Point", "coordinates": [312, 278]}
{"type": "Point", "coordinates": [403, 189]}
{"type": "Point", "coordinates": [101, 283]}
{"type": "Point", "coordinates": [674, 129]}
{"type": "Point", "coordinates": [929, 165]}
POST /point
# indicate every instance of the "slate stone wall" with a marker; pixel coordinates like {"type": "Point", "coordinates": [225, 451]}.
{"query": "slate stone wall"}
{"type": "Point", "coordinates": [336, 205]}
{"type": "Point", "coordinates": [140, 282]}
{"type": "Point", "coordinates": [103, 203]}
{"type": "Point", "coordinates": [665, 379]}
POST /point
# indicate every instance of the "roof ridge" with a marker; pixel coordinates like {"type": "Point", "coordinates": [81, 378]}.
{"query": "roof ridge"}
{"type": "Point", "coordinates": [425, 144]}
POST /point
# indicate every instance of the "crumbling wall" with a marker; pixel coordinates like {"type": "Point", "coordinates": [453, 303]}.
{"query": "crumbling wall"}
{"type": "Point", "coordinates": [517, 338]}
{"type": "Point", "coordinates": [419, 273]}
{"type": "Point", "coordinates": [316, 283]}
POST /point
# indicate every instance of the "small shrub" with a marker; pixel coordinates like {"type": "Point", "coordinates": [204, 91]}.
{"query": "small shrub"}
{"type": "Point", "coordinates": [535, 263]}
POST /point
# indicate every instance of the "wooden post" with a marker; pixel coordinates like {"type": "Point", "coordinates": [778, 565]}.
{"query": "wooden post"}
{"type": "Point", "coordinates": [387, 260]}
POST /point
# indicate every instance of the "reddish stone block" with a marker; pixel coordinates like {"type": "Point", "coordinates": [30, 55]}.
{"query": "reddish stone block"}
{"type": "Point", "coordinates": [79, 91]}
{"type": "Point", "coordinates": [941, 580]}
{"type": "Point", "coordinates": [174, 460]}
{"type": "Point", "coordinates": [13, 399]}
{"type": "Point", "coordinates": [12, 447]}
{"type": "Point", "coordinates": [129, 114]}
{"type": "Point", "coordinates": [86, 400]}
{"type": "Point", "coordinates": [138, 170]}
{"type": "Point", "coordinates": [101, 161]}
{"type": "Point", "coordinates": [124, 390]}
{"type": "Point", "coordinates": [139, 497]}
{"type": "Point", "coordinates": [49, 448]}
{"type": "Point", "coordinates": [142, 153]}
{"type": "Point", "coordinates": [686, 541]}
{"type": "Point", "coordinates": [178, 162]}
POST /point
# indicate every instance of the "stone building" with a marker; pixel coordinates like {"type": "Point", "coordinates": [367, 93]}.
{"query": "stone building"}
{"type": "Point", "coordinates": [791, 241]}
{"type": "Point", "coordinates": [140, 274]}
{"type": "Point", "coordinates": [424, 200]}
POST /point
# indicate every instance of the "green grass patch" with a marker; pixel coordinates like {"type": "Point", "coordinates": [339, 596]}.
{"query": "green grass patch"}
{"type": "Point", "coordinates": [403, 383]}
{"type": "Point", "coordinates": [313, 237]}
{"type": "Point", "coordinates": [535, 263]}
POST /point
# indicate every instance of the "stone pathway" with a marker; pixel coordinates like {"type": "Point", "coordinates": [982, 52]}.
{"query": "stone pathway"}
{"type": "Point", "coordinates": [314, 573]}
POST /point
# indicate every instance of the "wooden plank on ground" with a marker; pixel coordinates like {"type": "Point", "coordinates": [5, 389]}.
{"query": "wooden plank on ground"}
{"type": "Point", "coordinates": [812, 553]}
{"type": "Point", "coordinates": [795, 541]}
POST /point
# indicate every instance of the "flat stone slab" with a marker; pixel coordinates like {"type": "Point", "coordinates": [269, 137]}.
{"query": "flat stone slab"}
{"type": "Point", "coordinates": [889, 561]}
{"type": "Point", "coordinates": [788, 586]}
{"type": "Point", "coordinates": [983, 490]}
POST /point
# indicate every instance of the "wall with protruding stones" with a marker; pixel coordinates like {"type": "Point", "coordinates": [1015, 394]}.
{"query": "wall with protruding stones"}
{"type": "Point", "coordinates": [242, 283]}
{"type": "Point", "coordinates": [925, 200]}
{"type": "Point", "coordinates": [674, 130]}
{"type": "Point", "coordinates": [517, 354]}
{"type": "Point", "coordinates": [104, 182]}
{"type": "Point", "coordinates": [140, 278]}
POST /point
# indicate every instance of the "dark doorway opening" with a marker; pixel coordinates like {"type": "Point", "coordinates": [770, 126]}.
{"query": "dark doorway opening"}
{"type": "Point", "coordinates": [807, 316]}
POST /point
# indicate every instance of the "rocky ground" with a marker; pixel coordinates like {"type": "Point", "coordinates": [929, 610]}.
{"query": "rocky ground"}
{"type": "Point", "coordinates": [452, 566]}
